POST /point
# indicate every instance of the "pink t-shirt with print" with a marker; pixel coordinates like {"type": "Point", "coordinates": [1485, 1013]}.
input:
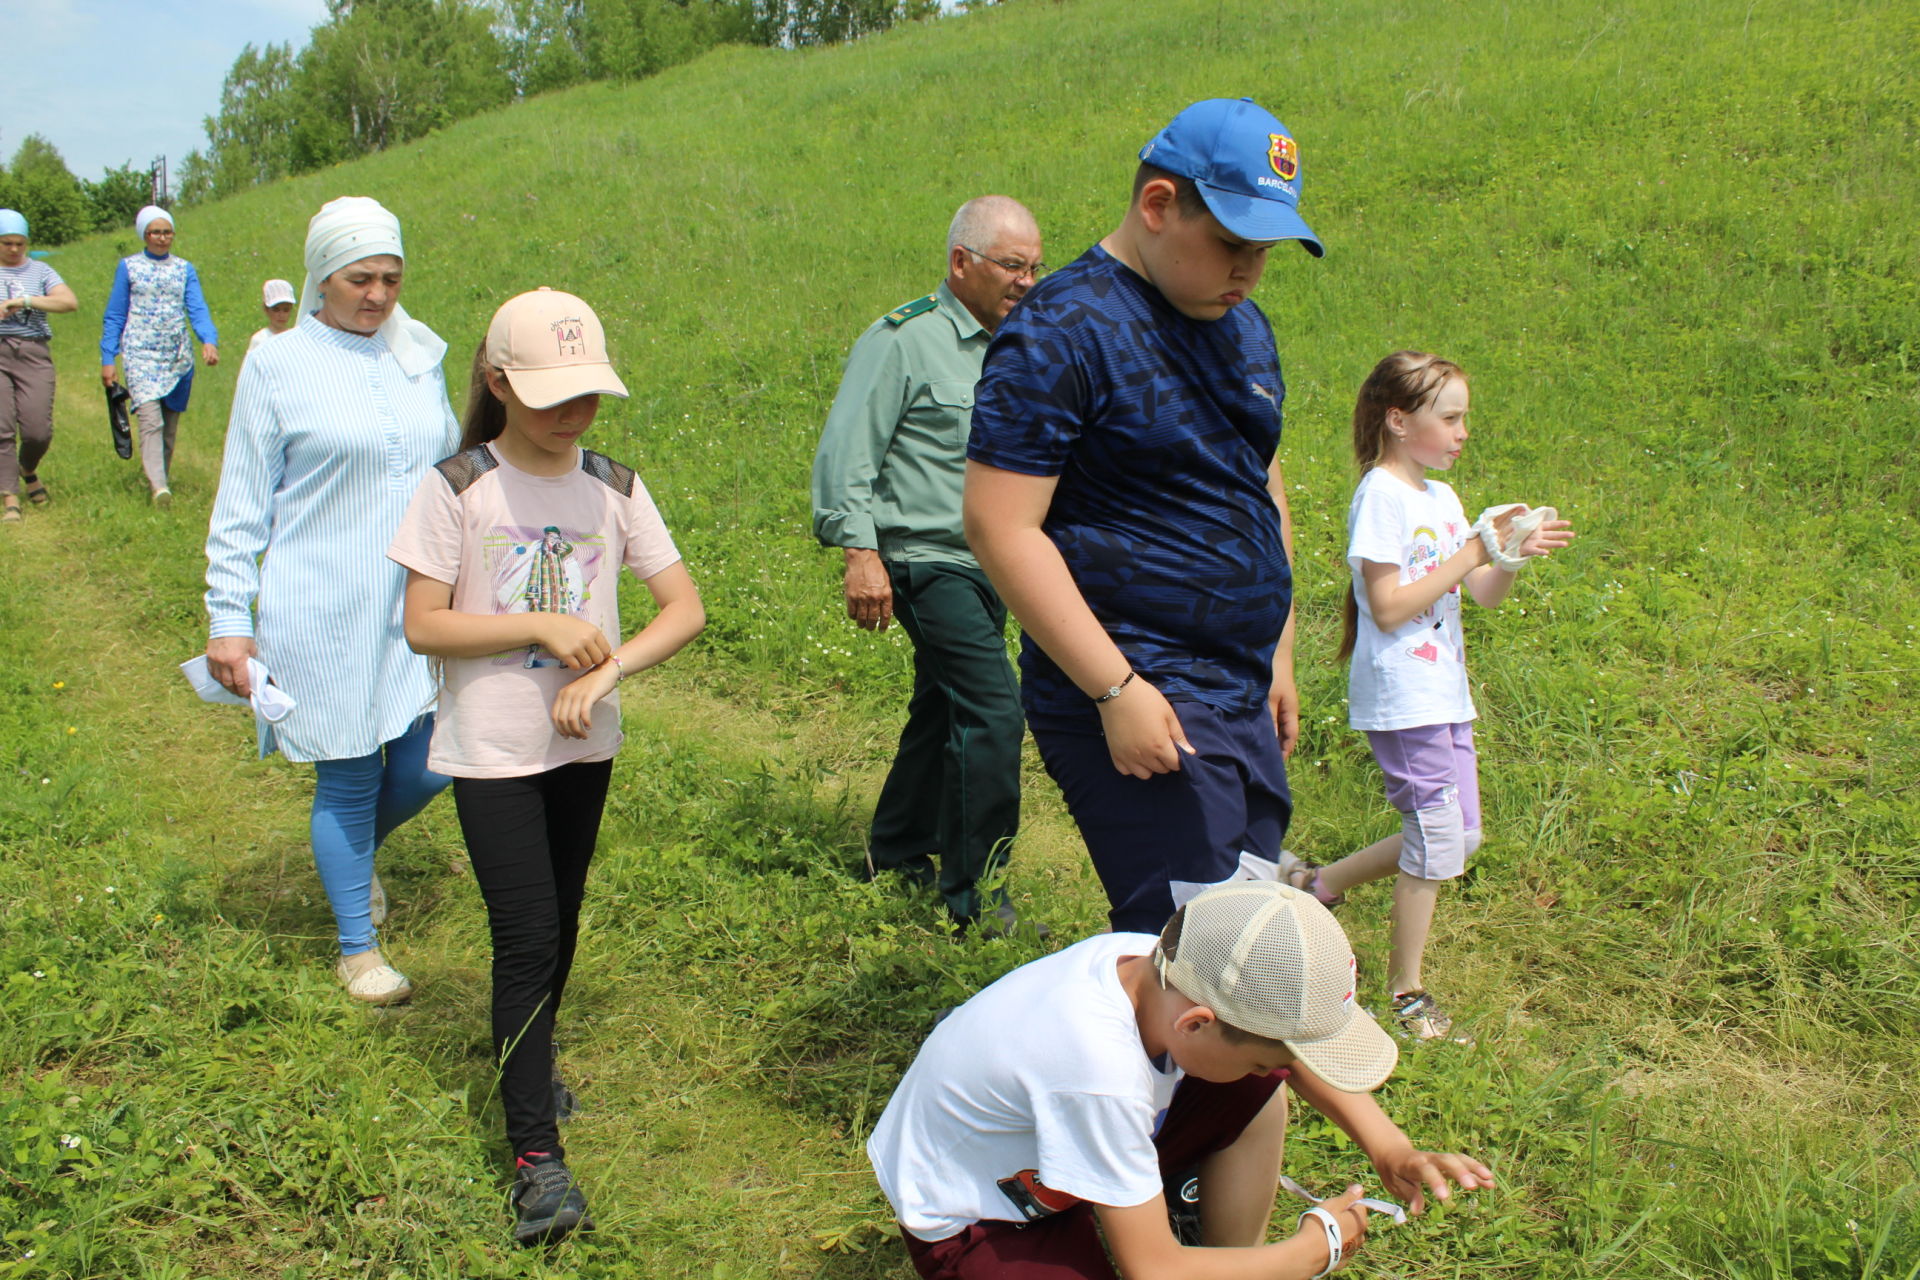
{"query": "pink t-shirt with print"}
{"type": "Point", "coordinates": [511, 542]}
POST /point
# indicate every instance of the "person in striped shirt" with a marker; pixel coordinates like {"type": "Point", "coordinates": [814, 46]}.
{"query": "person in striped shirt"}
{"type": "Point", "coordinates": [333, 427]}
{"type": "Point", "coordinates": [28, 290]}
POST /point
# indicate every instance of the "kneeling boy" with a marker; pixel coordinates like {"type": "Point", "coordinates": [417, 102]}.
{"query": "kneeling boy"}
{"type": "Point", "coordinates": [1050, 1107]}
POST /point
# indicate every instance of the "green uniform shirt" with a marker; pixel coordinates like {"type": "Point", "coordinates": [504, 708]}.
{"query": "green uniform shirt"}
{"type": "Point", "coordinates": [893, 455]}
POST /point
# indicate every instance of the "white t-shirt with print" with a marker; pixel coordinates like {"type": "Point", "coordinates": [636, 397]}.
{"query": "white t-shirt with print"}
{"type": "Point", "coordinates": [512, 542]}
{"type": "Point", "coordinates": [1042, 1073]}
{"type": "Point", "coordinates": [1417, 673]}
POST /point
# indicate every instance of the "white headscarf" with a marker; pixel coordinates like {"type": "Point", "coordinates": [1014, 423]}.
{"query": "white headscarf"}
{"type": "Point", "coordinates": [142, 219]}
{"type": "Point", "coordinates": [345, 231]}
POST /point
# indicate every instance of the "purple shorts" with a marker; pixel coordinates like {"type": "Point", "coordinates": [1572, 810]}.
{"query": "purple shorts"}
{"type": "Point", "coordinates": [1433, 779]}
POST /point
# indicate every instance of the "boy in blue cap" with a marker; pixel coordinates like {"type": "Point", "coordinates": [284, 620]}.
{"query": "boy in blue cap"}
{"type": "Point", "coordinates": [1124, 496]}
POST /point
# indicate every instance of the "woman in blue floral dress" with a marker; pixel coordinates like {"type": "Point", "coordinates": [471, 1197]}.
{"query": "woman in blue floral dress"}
{"type": "Point", "coordinates": [156, 298]}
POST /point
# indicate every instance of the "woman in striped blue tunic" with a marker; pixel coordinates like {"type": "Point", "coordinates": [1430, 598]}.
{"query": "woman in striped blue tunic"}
{"type": "Point", "coordinates": [333, 427]}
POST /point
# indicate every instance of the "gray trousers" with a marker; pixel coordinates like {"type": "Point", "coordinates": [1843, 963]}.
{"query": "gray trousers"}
{"type": "Point", "coordinates": [158, 426]}
{"type": "Point", "coordinates": [26, 404]}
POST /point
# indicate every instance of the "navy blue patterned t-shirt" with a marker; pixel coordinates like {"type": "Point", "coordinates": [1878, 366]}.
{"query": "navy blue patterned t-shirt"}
{"type": "Point", "coordinates": [1160, 428]}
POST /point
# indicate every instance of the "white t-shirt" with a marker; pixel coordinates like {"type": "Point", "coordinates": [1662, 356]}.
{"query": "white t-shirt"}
{"type": "Point", "coordinates": [511, 542]}
{"type": "Point", "coordinates": [261, 335]}
{"type": "Point", "coordinates": [1417, 673]}
{"type": "Point", "coordinates": [1041, 1074]}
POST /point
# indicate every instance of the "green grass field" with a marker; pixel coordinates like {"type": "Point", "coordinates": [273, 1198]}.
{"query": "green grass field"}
{"type": "Point", "coordinates": [1676, 247]}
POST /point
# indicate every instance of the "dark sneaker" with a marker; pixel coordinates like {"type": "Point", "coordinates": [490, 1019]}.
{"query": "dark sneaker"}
{"type": "Point", "coordinates": [566, 1103]}
{"type": "Point", "coordinates": [1418, 1016]}
{"type": "Point", "coordinates": [915, 873]}
{"type": "Point", "coordinates": [1001, 922]}
{"type": "Point", "coordinates": [547, 1203]}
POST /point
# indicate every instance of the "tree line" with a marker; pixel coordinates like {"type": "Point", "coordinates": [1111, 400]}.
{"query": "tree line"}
{"type": "Point", "coordinates": [378, 73]}
{"type": "Point", "coordinates": [60, 207]}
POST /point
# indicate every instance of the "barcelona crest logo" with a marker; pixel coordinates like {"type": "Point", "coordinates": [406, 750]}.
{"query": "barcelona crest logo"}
{"type": "Point", "coordinates": [1283, 156]}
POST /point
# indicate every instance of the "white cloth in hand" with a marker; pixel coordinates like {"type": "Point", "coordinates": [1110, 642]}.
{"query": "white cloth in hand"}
{"type": "Point", "coordinates": [1507, 555]}
{"type": "Point", "coordinates": [270, 702]}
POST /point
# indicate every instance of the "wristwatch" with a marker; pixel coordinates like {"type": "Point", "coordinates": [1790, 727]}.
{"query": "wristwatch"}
{"type": "Point", "coordinates": [1113, 690]}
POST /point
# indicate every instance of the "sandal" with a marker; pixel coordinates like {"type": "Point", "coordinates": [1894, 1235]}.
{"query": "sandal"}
{"type": "Point", "coordinates": [1297, 873]}
{"type": "Point", "coordinates": [12, 513]}
{"type": "Point", "coordinates": [1418, 1016]}
{"type": "Point", "coordinates": [36, 490]}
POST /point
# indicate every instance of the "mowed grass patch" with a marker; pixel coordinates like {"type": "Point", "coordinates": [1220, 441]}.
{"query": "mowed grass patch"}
{"type": "Point", "coordinates": [1673, 246]}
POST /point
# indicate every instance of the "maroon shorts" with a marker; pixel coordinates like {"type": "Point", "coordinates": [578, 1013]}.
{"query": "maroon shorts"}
{"type": "Point", "coordinates": [1202, 1119]}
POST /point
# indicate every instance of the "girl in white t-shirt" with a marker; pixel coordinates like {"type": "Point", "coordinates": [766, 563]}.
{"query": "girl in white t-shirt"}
{"type": "Point", "coordinates": [529, 719]}
{"type": "Point", "coordinates": [1411, 548]}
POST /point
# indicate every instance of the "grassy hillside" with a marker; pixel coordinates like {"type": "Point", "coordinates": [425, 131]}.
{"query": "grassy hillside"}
{"type": "Point", "coordinates": [1675, 246]}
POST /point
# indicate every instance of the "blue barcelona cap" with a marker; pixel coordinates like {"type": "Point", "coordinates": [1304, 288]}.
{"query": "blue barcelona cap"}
{"type": "Point", "coordinates": [1245, 164]}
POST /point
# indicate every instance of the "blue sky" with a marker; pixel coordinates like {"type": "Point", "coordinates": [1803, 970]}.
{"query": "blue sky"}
{"type": "Point", "coordinates": [107, 81]}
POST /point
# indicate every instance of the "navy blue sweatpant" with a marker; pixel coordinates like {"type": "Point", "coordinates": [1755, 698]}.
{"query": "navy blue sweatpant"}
{"type": "Point", "coordinates": [1189, 826]}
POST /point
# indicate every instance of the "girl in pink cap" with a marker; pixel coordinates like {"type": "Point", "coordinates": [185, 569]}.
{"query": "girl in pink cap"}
{"type": "Point", "coordinates": [513, 550]}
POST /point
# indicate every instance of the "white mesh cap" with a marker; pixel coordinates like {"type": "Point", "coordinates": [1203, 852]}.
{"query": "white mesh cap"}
{"type": "Point", "coordinates": [1269, 959]}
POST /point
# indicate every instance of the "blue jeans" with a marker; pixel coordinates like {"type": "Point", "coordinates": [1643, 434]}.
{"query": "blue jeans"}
{"type": "Point", "coordinates": [356, 805]}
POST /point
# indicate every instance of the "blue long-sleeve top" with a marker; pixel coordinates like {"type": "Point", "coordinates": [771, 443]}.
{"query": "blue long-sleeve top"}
{"type": "Point", "coordinates": [154, 300]}
{"type": "Point", "coordinates": [114, 322]}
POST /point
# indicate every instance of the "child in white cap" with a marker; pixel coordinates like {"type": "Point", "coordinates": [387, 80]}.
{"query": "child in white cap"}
{"type": "Point", "coordinates": [1049, 1110]}
{"type": "Point", "coordinates": [513, 551]}
{"type": "Point", "coordinates": [276, 301]}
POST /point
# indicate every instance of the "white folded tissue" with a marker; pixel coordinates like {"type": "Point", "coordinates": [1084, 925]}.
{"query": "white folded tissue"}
{"type": "Point", "coordinates": [269, 702]}
{"type": "Point", "coordinates": [1508, 556]}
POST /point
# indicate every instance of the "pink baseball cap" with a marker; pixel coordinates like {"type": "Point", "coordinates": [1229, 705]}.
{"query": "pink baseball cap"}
{"type": "Point", "coordinates": [552, 349]}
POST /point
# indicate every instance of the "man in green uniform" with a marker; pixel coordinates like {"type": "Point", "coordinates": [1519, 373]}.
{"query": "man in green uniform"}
{"type": "Point", "coordinates": [886, 488]}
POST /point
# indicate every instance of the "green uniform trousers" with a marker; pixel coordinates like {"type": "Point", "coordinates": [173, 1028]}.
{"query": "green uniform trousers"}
{"type": "Point", "coordinates": [954, 790]}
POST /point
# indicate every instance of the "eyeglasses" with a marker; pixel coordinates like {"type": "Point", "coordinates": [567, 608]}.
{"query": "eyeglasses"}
{"type": "Point", "coordinates": [1032, 270]}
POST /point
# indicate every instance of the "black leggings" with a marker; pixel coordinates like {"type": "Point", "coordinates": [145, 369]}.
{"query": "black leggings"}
{"type": "Point", "coordinates": [530, 840]}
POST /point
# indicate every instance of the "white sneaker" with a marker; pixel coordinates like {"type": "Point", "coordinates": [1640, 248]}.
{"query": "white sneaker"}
{"type": "Point", "coordinates": [377, 902]}
{"type": "Point", "coordinates": [368, 977]}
